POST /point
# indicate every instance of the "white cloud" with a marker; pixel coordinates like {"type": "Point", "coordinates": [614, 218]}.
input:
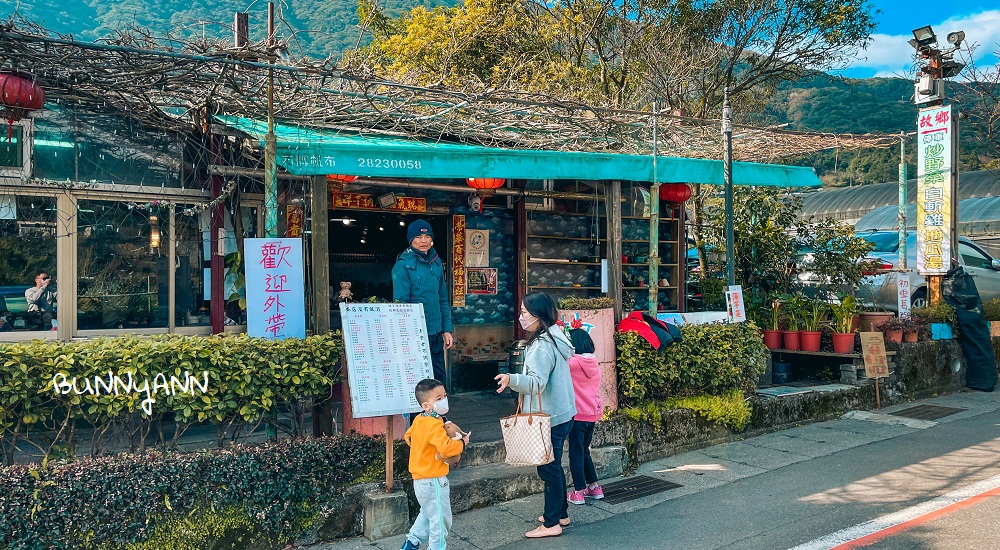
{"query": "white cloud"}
{"type": "Point", "coordinates": [890, 55]}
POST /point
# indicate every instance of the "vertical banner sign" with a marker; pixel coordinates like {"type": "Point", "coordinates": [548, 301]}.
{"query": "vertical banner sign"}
{"type": "Point", "coordinates": [735, 307]}
{"type": "Point", "coordinates": [276, 304]}
{"type": "Point", "coordinates": [458, 260]}
{"type": "Point", "coordinates": [934, 145]}
{"type": "Point", "coordinates": [293, 221]}
{"type": "Point", "coordinates": [903, 296]}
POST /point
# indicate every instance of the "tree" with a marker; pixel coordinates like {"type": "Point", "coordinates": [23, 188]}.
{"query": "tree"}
{"type": "Point", "coordinates": [980, 104]}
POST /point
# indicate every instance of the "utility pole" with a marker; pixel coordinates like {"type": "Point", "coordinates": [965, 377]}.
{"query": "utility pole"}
{"type": "Point", "coordinates": [270, 141]}
{"type": "Point", "coordinates": [727, 174]}
{"type": "Point", "coordinates": [902, 201]}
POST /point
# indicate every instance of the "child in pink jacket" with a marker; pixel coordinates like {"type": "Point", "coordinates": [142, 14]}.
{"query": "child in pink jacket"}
{"type": "Point", "coordinates": [587, 386]}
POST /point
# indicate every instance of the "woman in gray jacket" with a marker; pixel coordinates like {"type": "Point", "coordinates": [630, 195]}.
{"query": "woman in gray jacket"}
{"type": "Point", "coordinates": [546, 369]}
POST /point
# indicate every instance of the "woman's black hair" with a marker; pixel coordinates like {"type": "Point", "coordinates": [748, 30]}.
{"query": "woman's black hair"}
{"type": "Point", "coordinates": [543, 308]}
{"type": "Point", "coordinates": [581, 341]}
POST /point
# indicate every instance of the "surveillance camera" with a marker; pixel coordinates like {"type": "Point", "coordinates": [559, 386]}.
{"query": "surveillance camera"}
{"type": "Point", "coordinates": [956, 38]}
{"type": "Point", "coordinates": [475, 202]}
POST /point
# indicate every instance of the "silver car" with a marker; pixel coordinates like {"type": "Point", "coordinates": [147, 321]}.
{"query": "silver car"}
{"type": "Point", "coordinates": [880, 289]}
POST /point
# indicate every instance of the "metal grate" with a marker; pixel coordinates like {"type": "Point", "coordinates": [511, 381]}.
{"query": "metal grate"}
{"type": "Point", "coordinates": [927, 412]}
{"type": "Point", "coordinates": [635, 487]}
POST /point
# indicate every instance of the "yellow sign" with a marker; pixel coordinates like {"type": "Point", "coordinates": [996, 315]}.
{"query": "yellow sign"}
{"type": "Point", "coordinates": [873, 350]}
{"type": "Point", "coordinates": [364, 201]}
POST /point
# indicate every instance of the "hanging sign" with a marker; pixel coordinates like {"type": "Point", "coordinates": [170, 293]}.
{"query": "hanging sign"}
{"type": "Point", "coordinates": [364, 201]}
{"type": "Point", "coordinates": [873, 349]}
{"type": "Point", "coordinates": [293, 221]}
{"type": "Point", "coordinates": [387, 353]}
{"type": "Point", "coordinates": [934, 186]}
{"type": "Point", "coordinates": [903, 296]}
{"type": "Point", "coordinates": [276, 305]}
{"type": "Point", "coordinates": [735, 308]}
{"type": "Point", "coordinates": [458, 260]}
{"type": "Point", "coordinates": [481, 280]}
{"type": "Point", "coordinates": [477, 249]}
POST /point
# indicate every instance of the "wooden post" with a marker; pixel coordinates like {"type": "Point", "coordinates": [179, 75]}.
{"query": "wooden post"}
{"type": "Point", "coordinates": [613, 208]}
{"type": "Point", "coordinates": [389, 440]}
{"type": "Point", "coordinates": [934, 295]}
{"type": "Point", "coordinates": [878, 400]}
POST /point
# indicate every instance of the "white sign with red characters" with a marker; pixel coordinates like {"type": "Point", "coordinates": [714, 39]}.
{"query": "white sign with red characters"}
{"type": "Point", "coordinates": [934, 144]}
{"type": "Point", "coordinates": [275, 285]}
{"type": "Point", "coordinates": [734, 304]}
{"type": "Point", "coordinates": [903, 296]}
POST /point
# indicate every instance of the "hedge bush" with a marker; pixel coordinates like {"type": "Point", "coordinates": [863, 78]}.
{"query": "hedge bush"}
{"type": "Point", "coordinates": [112, 501]}
{"type": "Point", "coordinates": [247, 377]}
{"type": "Point", "coordinates": [711, 359]}
{"type": "Point", "coordinates": [731, 409]}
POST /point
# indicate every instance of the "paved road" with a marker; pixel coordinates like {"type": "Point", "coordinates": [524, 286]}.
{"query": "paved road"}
{"type": "Point", "coordinates": [812, 487]}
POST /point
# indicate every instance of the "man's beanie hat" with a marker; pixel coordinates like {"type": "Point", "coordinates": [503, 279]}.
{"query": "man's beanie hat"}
{"type": "Point", "coordinates": [417, 228]}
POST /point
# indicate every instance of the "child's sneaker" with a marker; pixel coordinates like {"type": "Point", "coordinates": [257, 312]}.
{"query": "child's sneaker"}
{"type": "Point", "coordinates": [594, 492]}
{"type": "Point", "coordinates": [407, 545]}
{"type": "Point", "coordinates": [575, 497]}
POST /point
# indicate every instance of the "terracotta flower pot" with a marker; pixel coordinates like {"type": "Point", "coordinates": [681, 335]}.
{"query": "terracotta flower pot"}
{"type": "Point", "coordinates": [772, 339]}
{"type": "Point", "coordinates": [810, 340]}
{"type": "Point", "coordinates": [911, 336]}
{"type": "Point", "coordinates": [843, 342]}
{"type": "Point", "coordinates": [872, 320]}
{"type": "Point", "coordinates": [894, 335]}
{"type": "Point", "coordinates": [792, 340]}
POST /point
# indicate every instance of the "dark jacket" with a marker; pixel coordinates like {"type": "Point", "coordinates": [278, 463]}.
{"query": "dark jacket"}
{"type": "Point", "coordinates": [421, 280]}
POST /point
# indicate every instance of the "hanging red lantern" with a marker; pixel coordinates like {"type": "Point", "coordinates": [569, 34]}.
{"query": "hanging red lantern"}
{"type": "Point", "coordinates": [675, 192]}
{"type": "Point", "coordinates": [341, 178]}
{"type": "Point", "coordinates": [485, 186]}
{"type": "Point", "coordinates": [18, 95]}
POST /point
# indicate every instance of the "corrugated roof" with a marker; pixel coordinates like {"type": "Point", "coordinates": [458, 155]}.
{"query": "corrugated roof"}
{"type": "Point", "coordinates": [851, 203]}
{"type": "Point", "coordinates": [976, 217]}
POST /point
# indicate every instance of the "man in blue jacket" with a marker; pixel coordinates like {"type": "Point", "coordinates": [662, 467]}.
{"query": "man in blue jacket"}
{"type": "Point", "coordinates": [419, 278]}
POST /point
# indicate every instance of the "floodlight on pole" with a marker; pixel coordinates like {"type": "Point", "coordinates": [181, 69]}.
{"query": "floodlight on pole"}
{"type": "Point", "coordinates": [925, 36]}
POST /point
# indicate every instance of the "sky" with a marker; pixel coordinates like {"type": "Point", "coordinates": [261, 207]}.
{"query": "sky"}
{"type": "Point", "coordinates": [890, 55]}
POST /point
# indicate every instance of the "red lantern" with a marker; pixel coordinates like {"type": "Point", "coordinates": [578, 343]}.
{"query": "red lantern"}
{"type": "Point", "coordinates": [341, 178]}
{"type": "Point", "coordinates": [18, 95]}
{"type": "Point", "coordinates": [675, 192]}
{"type": "Point", "coordinates": [486, 186]}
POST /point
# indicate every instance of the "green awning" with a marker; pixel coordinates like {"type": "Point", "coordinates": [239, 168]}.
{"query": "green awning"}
{"type": "Point", "coordinates": [305, 151]}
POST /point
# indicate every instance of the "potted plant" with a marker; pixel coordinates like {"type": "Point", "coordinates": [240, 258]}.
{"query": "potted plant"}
{"type": "Point", "coordinates": [772, 334]}
{"type": "Point", "coordinates": [813, 320]}
{"type": "Point", "coordinates": [911, 329]}
{"type": "Point", "coordinates": [843, 314]}
{"type": "Point", "coordinates": [792, 315]}
{"type": "Point", "coordinates": [991, 311]}
{"type": "Point", "coordinates": [940, 316]}
{"type": "Point", "coordinates": [893, 330]}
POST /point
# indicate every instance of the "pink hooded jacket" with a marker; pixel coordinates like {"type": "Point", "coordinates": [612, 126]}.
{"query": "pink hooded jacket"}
{"type": "Point", "coordinates": [587, 386]}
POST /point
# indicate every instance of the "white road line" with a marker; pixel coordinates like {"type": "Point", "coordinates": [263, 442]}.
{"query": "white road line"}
{"type": "Point", "coordinates": [885, 522]}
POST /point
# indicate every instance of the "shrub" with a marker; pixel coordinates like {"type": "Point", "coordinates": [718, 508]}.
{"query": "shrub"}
{"type": "Point", "coordinates": [711, 359]}
{"type": "Point", "coordinates": [586, 303]}
{"type": "Point", "coordinates": [730, 409]}
{"type": "Point", "coordinates": [935, 313]}
{"type": "Point", "coordinates": [246, 378]}
{"type": "Point", "coordinates": [991, 309]}
{"type": "Point", "coordinates": [112, 501]}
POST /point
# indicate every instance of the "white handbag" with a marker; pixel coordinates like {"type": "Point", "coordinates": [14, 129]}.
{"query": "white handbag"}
{"type": "Point", "coordinates": [527, 437]}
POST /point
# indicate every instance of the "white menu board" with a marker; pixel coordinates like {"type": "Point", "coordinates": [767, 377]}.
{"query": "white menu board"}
{"type": "Point", "coordinates": [387, 354]}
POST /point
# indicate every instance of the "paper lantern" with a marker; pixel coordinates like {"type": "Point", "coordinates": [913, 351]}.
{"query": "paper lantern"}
{"type": "Point", "coordinates": [485, 186]}
{"type": "Point", "coordinates": [341, 178]}
{"type": "Point", "coordinates": [675, 192]}
{"type": "Point", "coordinates": [18, 95]}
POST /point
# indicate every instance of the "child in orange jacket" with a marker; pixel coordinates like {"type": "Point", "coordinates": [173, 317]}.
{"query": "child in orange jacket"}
{"type": "Point", "coordinates": [430, 446]}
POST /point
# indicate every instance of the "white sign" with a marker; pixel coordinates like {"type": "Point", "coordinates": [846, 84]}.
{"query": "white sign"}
{"type": "Point", "coordinates": [477, 248]}
{"type": "Point", "coordinates": [903, 296]}
{"type": "Point", "coordinates": [934, 186]}
{"type": "Point", "coordinates": [387, 353]}
{"type": "Point", "coordinates": [276, 298]}
{"type": "Point", "coordinates": [735, 307]}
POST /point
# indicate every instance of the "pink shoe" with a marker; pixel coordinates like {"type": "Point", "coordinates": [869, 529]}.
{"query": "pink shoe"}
{"type": "Point", "coordinates": [575, 497]}
{"type": "Point", "coordinates": [594, 492]}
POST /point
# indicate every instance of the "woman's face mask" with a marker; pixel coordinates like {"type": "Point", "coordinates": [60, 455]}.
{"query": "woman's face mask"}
{"type": "Point", "coordinates": [527, 320]}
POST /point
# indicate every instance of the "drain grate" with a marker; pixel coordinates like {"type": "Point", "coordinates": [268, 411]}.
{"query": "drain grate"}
{"type": "Point", "coordinates": [927, 412]}
{"type": "Point", "coordinates": [635, 487]}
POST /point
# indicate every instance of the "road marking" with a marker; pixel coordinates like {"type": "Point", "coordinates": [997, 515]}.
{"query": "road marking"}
{"type": "Point", "coordinates": [879, 528]}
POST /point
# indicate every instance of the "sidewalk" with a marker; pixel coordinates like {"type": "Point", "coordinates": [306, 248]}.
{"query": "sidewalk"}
{"type": "Point", "coordinates": [700, 471]}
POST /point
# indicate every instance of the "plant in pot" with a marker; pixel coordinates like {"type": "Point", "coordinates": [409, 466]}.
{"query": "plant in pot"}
{"type": "Point", "coordinates": [814, 318]}
{"type": "Point", "coordinates": [893, 330]}
{"type": "Point", "coordinates": [911, 329]}
{"type": "Point", "coordinates": [991, 312]}
{"type": "Point", "coordinates": [843, 314]}
{"type": "Point", "coordinates": [940, 316]}
{"type": "Point", "coordinates": [790, 304]}
{"type": "Point", "coordinates": [772, 334]}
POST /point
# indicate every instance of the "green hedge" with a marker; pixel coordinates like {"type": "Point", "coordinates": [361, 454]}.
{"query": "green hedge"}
{"type": "Point", "coordinates": [108, 502]}
{"type": "Point", "coordinates": [711, 359]}
{"type": "Point", "coordinates": [246, 378]}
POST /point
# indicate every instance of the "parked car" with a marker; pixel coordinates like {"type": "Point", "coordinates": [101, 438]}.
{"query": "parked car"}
{"type": "Point", "coordinates": [880, 288]}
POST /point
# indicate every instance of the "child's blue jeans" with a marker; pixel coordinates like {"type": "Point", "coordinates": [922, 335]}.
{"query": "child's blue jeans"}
{"type": "Point", "coordinates": [581, 466]}
{"type": "Point", "coordinates": [434, 521]}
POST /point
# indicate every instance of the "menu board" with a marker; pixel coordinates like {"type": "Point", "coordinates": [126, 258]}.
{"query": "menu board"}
{"type": "Point", "coordinates": [387, 354]}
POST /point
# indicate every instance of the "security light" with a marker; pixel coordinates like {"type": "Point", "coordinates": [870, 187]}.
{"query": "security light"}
{"type": "Point", "coordinates": [956, 38]}
{"type": "Point", "coordinates": [925, 36]}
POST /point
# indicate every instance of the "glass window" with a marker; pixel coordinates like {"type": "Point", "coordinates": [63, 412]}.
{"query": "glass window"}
{"type": "Point", "coordinates": [12, 150]}
{"type": "Point", "coordinates": [122, 265]}
{"type": "Point", "coordinates": [972, 257]}
{"type": "Point", "coordinates": [27, 256]}
{"type": "Point", "coordinates": [192, 269]}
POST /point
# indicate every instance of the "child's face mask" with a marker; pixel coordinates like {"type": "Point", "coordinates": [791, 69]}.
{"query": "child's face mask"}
{"type": "Point", "coordinates": [440, 407]}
